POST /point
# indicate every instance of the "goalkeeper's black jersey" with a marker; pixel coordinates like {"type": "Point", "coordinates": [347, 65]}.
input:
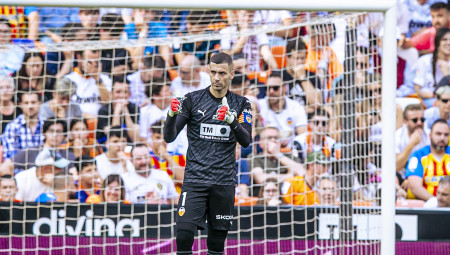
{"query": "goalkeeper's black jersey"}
{"type": "Point", "coordinates": [211, 153]}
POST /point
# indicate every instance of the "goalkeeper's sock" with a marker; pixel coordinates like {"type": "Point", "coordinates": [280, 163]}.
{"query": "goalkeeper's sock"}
{"type": "Point", "coordinates": [216, 241]}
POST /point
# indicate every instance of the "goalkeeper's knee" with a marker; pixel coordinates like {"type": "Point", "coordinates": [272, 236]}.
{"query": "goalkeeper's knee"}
{"type": "Point", "coordinates": [185, 237]}
{"type": "Point", "coordinates": [216, 241]}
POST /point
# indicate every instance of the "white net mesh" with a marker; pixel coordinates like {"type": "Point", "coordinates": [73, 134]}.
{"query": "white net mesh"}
{"type": "Point", "coordinates": [309, 183]}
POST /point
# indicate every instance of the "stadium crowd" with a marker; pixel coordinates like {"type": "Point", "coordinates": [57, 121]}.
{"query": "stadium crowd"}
{"type": "Point", "coordinates": [86, 125]}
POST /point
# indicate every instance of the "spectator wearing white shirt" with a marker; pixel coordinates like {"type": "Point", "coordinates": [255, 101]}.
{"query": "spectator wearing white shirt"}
{"type": "Point", "coordinates": [191, 77]}
{"type": "Point", "coordinates": [114, 161]}
{"type": "Point", "coordinates": [431, 68]}
{"type": "Point", "coordinates": [277, 110]}
{"type": "Point", "coordinates": [148, 185]}
{"type": "Point", "coordinates": [40, 179]}
{"type": "Point", "coordinates": [160, 97]}
{"type": "Point", "coordinates": [442, 108]}
{"type": "Point", "coordinates": [274, 18]}
{"type": "Point", "coordinates": [152, 69]}
{"type": "Point", "coordinates": [411, 136]}
{"type": "Point", "coordinates": [93, 87]}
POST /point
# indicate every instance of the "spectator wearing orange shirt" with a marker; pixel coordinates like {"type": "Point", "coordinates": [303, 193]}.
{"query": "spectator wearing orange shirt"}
{"type": "Point", "coordinates": [321, 59]}
{"type": "Point", "coordinates": [299, 190]}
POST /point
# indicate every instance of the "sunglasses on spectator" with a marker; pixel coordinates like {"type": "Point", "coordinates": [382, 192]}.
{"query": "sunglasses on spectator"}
{"type": "Point", "coordinates": [320, 122]}
{"type": "Point", "coordinates": [275, 88]}
{"type": "Point", "coordinates": [415, 120]}
{"type": "Point", "coordinates": [444, 100]}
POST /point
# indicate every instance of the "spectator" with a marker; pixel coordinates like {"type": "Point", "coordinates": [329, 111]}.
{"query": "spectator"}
{"type": "Point", "coordinates": [411, 136]}
{"type": "Point", "coordinates": [240, 84]}
{"type": "Point", "coordinates": [299, 190]}
{"type": "Point", "coordinates": [327, 191]}
{"type": "Point", "coordinates": [304, 86]}
{"type": "Point", "coordinates": [33, 75]}
{"type": "Point", "coordinates": [270, 163]}
{"type": "Point", "coordinates": [23, 20]}
{"type": "Point", "coordinates": [114, 161]}
{"type": "Point", "coordinates": [8, 188]}
{"type": "Point", "coordinates": [63, 187]}
{"type": "Point", "coordinates": [80, 144]}
{"type": "Point", "coordinates": [442, 198]}
{"type": "Point", "coordinates": [191, 77]}
{"type": "Point", "coordinates": [153, 69]}
{"type": "Point", "coordinates": [9, 109]}
{"type": "Point", "coordinates": [427, 166]}
{"type": "Point", "coordinates": [89, 181]}
{"type": "Point", "coordinates": [10, 55]}
{"type": "Point", "coordinates": [321, 59]}
{"type": "Point", "coordinates": [93, 87]}
{"type": "Point", "coordinates": [147, 24]}
{"type": "Point", "coordinates": [89, 19]}
{"type": "Point", "coordinates": [317, 139]}
{"type": "Point", "coordinates": [419, 15]}
{"type": "Point", "coordinates": [150, 114]}
{"type": "Point", "coordinates": [196, 24]}
{"type": "Point", "coordinates": [53, 19]}
{"type": "Point", "coordinates": [431, 68]}
{"type": "Point", "coordinates": [115, 61]}
{"type": "Point", "coordinates": [424, 40]}
{"type": "Point", "coordinates": [252, 46]}
{"type": "Point", "coordinates": [170, 162]}
{"type": "Point", "coordinates": [146, 180]}
{"type": "Point", "coordinates": [442, 108]}
{"type": "Point", "coordinates": [119, 112]}
{"type": "Point", "coordinates": [40, 179]}
{"type": "Point", "coordinates": [269, 194]}
{"type": "Point", "coordinates": [274, 18]}
{"type": "Point", "coordinates": [61, 63]}
{"type": "Point", "coordinates": [113, 190]}
{"type": "Point", "coordinates": [277, 110]}
{"type": "Point", "coordinates": [60, 105]}
{"type": "Point", "coordinates": [54, 131]}
{"type": "Point", "coordinates": [25, 130]}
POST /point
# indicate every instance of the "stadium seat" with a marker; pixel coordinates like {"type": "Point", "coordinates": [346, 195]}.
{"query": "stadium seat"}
{"type": "Point", "coordinates": [92, 127]}
{"type": "Point", "coordinates": [410, 203]}
{"type": "Point", "coordinates": [173, 74]}
{"type": "Point", "coordinates": [260, 76]}
{"type": "Point", "coordinates": [248, 201]}
{"type": "Point", "coordinates": [279, 53]}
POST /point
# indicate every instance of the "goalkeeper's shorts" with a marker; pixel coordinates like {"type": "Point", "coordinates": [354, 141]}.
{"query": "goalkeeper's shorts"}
{"type": "Point", "coordinates": [210, 204]}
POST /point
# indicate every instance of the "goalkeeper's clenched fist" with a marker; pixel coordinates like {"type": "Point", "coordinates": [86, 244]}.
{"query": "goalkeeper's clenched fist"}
{"type": "Point", "coordinates": [175, 106]}
{"type": "Point", "coordinates": [224, 114]}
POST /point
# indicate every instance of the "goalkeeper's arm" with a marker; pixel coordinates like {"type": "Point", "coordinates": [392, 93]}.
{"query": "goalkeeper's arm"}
{"type": "Point", "coordinates": [174, 124]}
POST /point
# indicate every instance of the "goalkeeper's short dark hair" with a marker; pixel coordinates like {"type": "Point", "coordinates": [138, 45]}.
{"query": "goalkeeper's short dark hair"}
{"type": "Point", "coordinates": [221, 58]}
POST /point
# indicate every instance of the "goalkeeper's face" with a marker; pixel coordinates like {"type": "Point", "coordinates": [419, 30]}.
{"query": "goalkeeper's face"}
{"type": "Point", "coordinates": [221, 76]}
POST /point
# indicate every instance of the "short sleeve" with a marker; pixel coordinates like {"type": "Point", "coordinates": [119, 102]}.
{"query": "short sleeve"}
{"type": "Point", "coordinates": [414, 166]}
{"type": "Point", "coordinates": [302, 118]}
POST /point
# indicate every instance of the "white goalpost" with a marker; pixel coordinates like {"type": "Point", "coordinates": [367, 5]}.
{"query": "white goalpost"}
{"type": "Point", "coordinates": [130, 229]}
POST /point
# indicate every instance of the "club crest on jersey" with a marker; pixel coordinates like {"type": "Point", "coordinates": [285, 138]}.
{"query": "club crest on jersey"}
{"type": "Point", "coordinates": [181, 211]}
{"type": "Point", "coordinates": [289, 121]}
{"type": "Point", "coordinates": [245, 118]}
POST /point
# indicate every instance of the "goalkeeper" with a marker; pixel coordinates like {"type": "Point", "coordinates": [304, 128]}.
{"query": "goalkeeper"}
{"type": "Point", "coordinates": [216, 119]}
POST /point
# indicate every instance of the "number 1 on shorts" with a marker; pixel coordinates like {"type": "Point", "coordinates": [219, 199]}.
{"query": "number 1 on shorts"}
{"type": "Point", "coordinates": [184, 198]}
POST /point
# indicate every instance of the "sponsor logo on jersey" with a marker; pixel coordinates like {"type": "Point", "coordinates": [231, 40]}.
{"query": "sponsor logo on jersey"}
{"type": "Point", "coordinates": [224, 217]}
{"type": "Point", "coordinates": [213, 131]}
{"type": "Point", "coordinates": [181, 211]}
{"type": "Point", "coordinates": [413, 163]}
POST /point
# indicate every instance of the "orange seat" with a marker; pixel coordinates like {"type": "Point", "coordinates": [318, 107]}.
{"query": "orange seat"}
{"type": "Point", "coordinates": [260, 76]}
{"type": "Point", "coordinates": [92, 127]}
{"type": "Point", "coordinates": [248, 201]}
{"type": "Point", "coordinates": [173, 74]}
{"type": "Point", "coordinates": [362, 203]}
{"type": "Point", "coordinates": [279, 53]}
{"type": "Point", "coordinates": [410, 203]}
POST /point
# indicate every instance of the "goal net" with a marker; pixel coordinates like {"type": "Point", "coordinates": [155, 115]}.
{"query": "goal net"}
{"type": "Point", "coordinates": [94, 85]}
